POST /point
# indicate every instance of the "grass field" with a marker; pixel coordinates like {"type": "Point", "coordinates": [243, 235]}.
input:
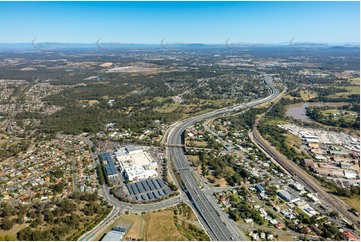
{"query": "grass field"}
{"type": "Point", "coordinates": [219, 181]}
{"type": "Point", "coordinates": [276, 121]}
{"type": "Point", "coordinates": [219, 102]}
{"type": "Point", "coordinates": [355, 81]}
{"type": "Point", "coordinates": [307, 95]}
{"type": "Point", "coordinates": [330, 111]}
{"type": "Point", "coordinates": [268, 104]}
{"type": "Point", "coordinates": [89, 102]}
{"type": "Point", "coordinates": [284, 237]}
{"type": "Point", "coordinates": [137, 229]}
{"type": "Point", "coordinates": [353, 202]}
{"type": "Point", "coordinates": [168, 108]}
{"type": "Point", "coordinates": [293, 140]}
{"type": "Point", "coordinates": [157, 225]}
{"type": "Point", "coordinates": [349, 116]}
{"type": "Point", "coordinates": [161, 226]}
{"type": "Point", "coordinates": [201, 144]}
{"type": "Point", "coordinates": [188, 109]}
{"type": "Point", "coordinates": [193, 158]}
{"type": "Point", "coordinates": [351, 90]}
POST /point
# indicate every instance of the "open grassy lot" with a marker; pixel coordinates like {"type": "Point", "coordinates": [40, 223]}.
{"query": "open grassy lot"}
{"type": "Point", "coordinates": [161, 226]}
{"type": "Point", "coordinates": [330, 111]}
{"type": "Point", "coordinates": [275, 121]}
{"type": "Point", "coordinates": [354, 89]}
{"type": "Point", "coordinates": [219, 102]}
{"type": "Point", "coordinates": [220, 182]}
{"type": "Point", "coordinates": [284, 237]}
{"type": "Point", "coordinates": [193, 158]}
{"type": "Point", "coordinates": [187, 109]}
{"type": "Point", "coordinates": [200, 144]}
{"type": "Point", "coordinates": [353, 202]}
{"type": "Point", "coordinates": [293, 140]}
{"type": "Point", "coordinates": [137, 229]}
{"type": "Point", "coordinates": [351, 90]}
{"type": "Point", "coordinates": [89, 102]}
{"type": "Point", "coordinates": [355, 80]}
{"type": "Point", "coordinates": [307, 95]}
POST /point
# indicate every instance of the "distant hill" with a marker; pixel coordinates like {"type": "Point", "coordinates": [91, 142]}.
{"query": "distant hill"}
{"type": "Point", "coordinates": [349, 47]}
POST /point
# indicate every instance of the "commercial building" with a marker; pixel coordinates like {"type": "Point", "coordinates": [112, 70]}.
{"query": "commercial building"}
{"type": "Point", "coordinates": [308, 136]}
{"type": "Point", "coordinates": [109, 165]}
{"type": "Point", "coordinates": [287, 196]}
{"type": "Point", "coordinates": [297, 186]}
{"type": "Point", "coordinates": [133, 150]}
{"type": "Point", "coordinates": [259, 188]}
{"type": "Point", "coordinates": [320, 158]}
{"type": "Point", "coordinates": [134, 173]}
{"type": "Point", "coordinates": [312, 197]}
{"type": "Point", "coordinates": [316, 141]}
{"type": "Point", "coordinates": [114, 235]}
{"type": "Point", "coordinates": [136, 164]}
{"type": "Point", "coordinates": [350, 174]}
{"type": "Point", "coordinates": [345, 165]}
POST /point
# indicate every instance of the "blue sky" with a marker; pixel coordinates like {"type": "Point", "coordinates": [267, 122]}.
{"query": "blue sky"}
{"type": "Point", "coordinates": [184, 22]}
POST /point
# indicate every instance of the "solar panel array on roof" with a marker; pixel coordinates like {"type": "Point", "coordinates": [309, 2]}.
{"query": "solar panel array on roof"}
{"type": "Point", "coordinates": [161, 183]}
{"type": "Point", "coordinates": [140, 187]}
{"type": "Point", "coordinates": [145, 197]}
{"type": "Point", "coordinates": [130, 189]}
{"type": "Point", "coordinates": [145, 185]}
{"type": "Point", "coordinates": [155, 183]}
{"type": "Point", "coordinates": [135, 189]}
{"type": "Point", "coordinates": [166, 191]}
{"type": "Point", "coordinates": [148, 189]}
{"type": "Point", "coordinates": [110, 166]}
{"type": "Point", "coordinates": [156, 195]}
{"type": "Point", "coordinates": [150, 184]}
{"type": "Point", "coordinates": [161, 193]}
{"type": "Point", "coordinates": [150, 195]}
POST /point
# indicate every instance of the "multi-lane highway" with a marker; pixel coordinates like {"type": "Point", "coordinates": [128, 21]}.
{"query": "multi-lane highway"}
{"type": "Point", "coordinates": [207, 213]}
{"type": "Point", "coordinates": [217, 225]}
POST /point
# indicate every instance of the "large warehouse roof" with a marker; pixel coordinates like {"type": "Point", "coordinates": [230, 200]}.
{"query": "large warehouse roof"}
{"type": "Point", "coordinates": [113, 236]}
{"type": "Point", "coordinates": [287, 196]}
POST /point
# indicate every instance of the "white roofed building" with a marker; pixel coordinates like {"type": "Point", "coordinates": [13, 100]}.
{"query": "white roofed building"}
{"type": "Point", "coordinates": [136, 164]}
{"type": "Point", "coordinates": [350, 174]}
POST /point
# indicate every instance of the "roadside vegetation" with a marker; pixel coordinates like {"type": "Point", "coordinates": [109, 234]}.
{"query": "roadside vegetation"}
{"type": "Point", "coordinates": [65, 219]}
{"type": "Point", "coordinates": [176, 223]}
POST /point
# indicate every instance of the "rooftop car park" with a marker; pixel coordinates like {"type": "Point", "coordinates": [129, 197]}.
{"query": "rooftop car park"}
{"type": "Point", "coordinates": [149, 189]}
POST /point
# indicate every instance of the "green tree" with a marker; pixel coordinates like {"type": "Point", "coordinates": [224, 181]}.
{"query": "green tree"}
{"type": "Point", "coordinates": [7, 224]}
